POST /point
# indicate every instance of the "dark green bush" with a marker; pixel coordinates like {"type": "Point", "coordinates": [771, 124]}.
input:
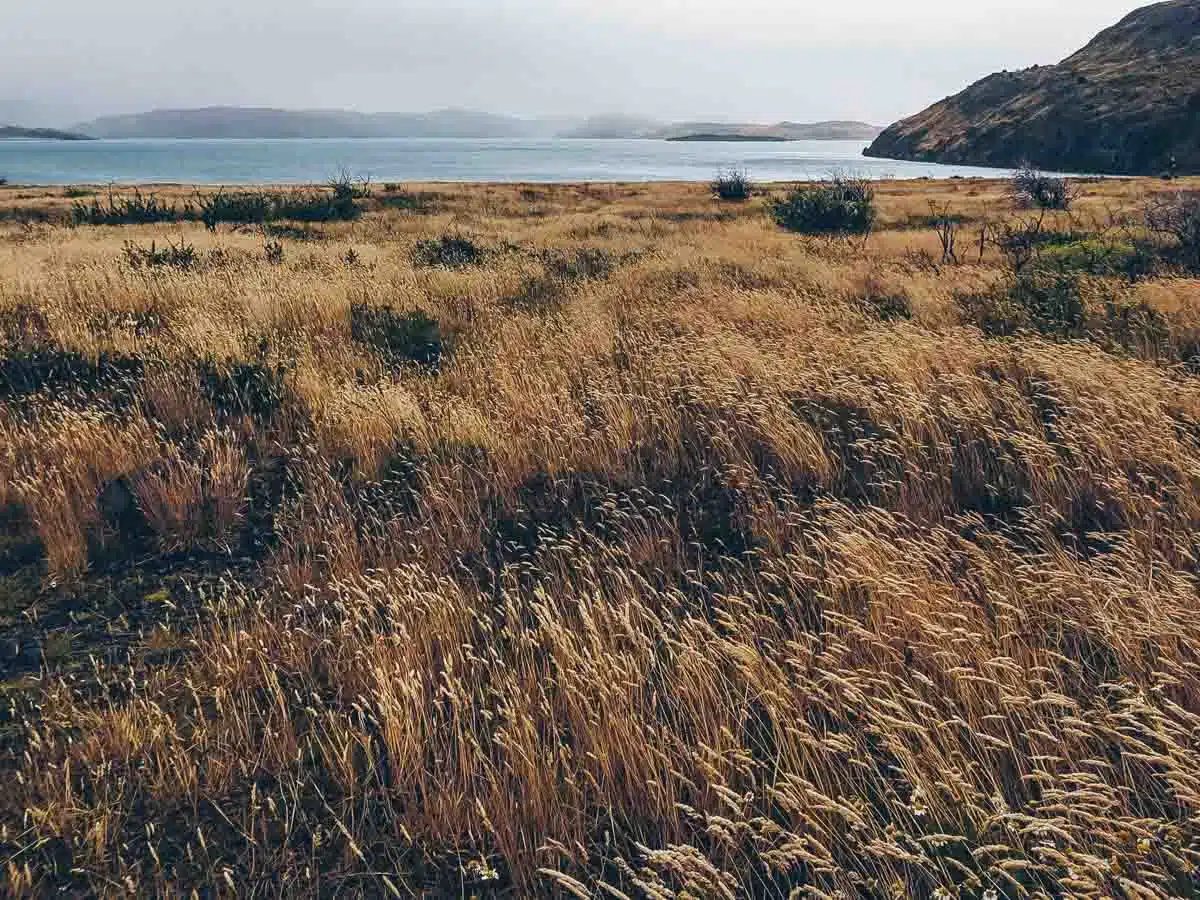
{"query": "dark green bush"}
{"type": "Point", "coordinates": [236, 209]}
{"type": "Point", "coordinates": [732, 185]}
{"type": "Point", "coordinates": [400, 338]}
{"type": "Point", "coordinates": [888, 307]}
{"type": "Point", "coordinates": [1070, 305]}
{"type": "Point", "coordinates": [138, 209]}
{"type": "Point", "coordinates": [338, 204]}
{"type": "Point", "coordinates": [838, 207]}
{"type": "Point", "coordinates": [450, 250]}
{"type": "Point", "coordinates": [238, 388]}
{"type": "Point", "coordinates": [584, 264]}
{"type": "Point", "coordinates": [539, 294]}
{"type": "Point", "coordinates": [69, 374]}
{"type": "Point", "coordinates": [316, 207]}
{"type": "Point", "coordinates": [1099, 256]}
{"type": "Point", "coordinates": [1052, 302]}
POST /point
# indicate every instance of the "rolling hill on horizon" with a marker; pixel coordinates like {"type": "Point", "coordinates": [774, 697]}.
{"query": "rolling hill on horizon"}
{"type": "Point", "coordinates": [269, 123]}
{"type": "Point", "coordinates": [1128, 103]}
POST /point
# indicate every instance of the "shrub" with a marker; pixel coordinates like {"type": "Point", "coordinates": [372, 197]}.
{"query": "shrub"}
{"type": "Point", "coordinates": [236, 209]}
{"type": "Point", "coordinates": [450, 250]}
{"type": "Point", "coordinates": [1051, 301]}
{"type": "Point", "coordinates": [1177, 217]}
{"type": "Point", "coordinates": [1031, 188]}
{"type": "Point", "coordinates": [584, 264]}
{"type": "Point", "coordinates": [1098, 256]}
{"type": "Point", "coordinates": [839, 207]}
{"type": "Point", "coordinates": [273, 250]}
{"type": "Point", "coordinates": [69, 374]}
{"type": "Point", "coordinates": [339, 204]}
{"type": "Point", "coordinates": [1069, 305]}
{"type": "Point", "coordinates": [888, 306]}
{"type": "Point", "coordinates": [138, 209]}
{"type": "Point", "coordinates": [733, 185]}
{"type": "Point", "coordinates": [400, 338]}
{"type": "Point", "coordinates": [239, 388]}
{"type": "Point", "coordinates": [173, 256]}
{"type": "Point", "coordinates": [315, 206]}
{"type": "Point", "coordinates": [1020, 242]}
{"type": "Point", "coordinates": [538, 294]}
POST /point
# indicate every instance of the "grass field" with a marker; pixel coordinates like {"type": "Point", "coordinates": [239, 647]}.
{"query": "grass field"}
{"type": "Point", "coordinates": [600, 541]}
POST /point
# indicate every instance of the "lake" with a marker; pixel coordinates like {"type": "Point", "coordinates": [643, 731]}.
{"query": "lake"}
{"type": "Point", "coordinates": [425, 159]}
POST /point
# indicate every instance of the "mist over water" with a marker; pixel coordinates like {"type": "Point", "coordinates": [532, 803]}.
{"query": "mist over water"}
{"type": "Point", "coordinates": [496, 160]}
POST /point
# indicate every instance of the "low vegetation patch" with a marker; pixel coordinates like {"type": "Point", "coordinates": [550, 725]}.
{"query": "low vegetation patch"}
{"type": "Point", "coordinates": [409, 337]}
{"type": "Point", "coordinates": [452, 251]}
{"type": "Point", "coordinates": [236, 388]}
{"type": "Point", "coordinates": [839, 207]}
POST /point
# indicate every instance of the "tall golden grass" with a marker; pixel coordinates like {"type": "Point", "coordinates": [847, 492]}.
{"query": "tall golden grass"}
{"type": "Point", "coordinates": [684, 573]}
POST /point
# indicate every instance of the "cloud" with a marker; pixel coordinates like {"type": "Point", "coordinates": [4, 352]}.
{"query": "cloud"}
{"type": "Point", "coordinates": [64, 60]}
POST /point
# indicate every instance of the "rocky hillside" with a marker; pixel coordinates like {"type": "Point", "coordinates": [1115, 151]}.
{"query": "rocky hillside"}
{"type": "Point", "coordinates": [1127, 103]}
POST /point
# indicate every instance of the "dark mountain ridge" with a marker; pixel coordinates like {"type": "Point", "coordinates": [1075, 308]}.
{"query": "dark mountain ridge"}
{"type": "Point", "coordinates": [1128, 103]}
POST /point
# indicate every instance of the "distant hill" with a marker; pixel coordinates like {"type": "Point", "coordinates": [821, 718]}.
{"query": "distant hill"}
{"type": "Point", "coordinates": [783, 131]}
{"type": "Point", "coordinates": [1128, 103]}
{"type": "Point", "coordinates": [15, 133]}
{"type": "Point", "coordinates": [631, 127]}
{"type": "Point", "coordinates": [611, 126]}
{"type": "Point", "coordinates": [247, 122]}
{"type": "Point", "coordinates": [727, 138]}
{"type": "Point", "coordinates": [244, 122]}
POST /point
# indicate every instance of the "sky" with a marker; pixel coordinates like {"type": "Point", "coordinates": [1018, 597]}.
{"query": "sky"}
{"type": "Point", "coordinates": [66, 61]}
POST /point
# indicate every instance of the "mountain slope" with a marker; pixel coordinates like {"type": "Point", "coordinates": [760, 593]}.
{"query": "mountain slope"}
{"type": "Point", "coordinates": [1127, 103]}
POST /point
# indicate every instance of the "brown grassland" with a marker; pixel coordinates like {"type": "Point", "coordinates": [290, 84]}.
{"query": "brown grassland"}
{"type": "Point", "coordinates": [599, 541]}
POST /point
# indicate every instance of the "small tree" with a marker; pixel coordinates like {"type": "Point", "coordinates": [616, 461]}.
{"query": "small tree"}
{"type": "Point", "coordinates": [946, 227]}
{"type": "Point", "coordinates": [841, 206]}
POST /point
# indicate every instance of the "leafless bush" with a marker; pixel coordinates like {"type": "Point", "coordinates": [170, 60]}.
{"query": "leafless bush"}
{"type": "Point", "coordinates": [1035, 189]}
{"type": "Point", "coordinates": [1177, 217]}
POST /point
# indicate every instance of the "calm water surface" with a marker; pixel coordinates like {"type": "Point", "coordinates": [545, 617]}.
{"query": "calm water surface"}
{"type": "Point", "coordinates": [420, 159]}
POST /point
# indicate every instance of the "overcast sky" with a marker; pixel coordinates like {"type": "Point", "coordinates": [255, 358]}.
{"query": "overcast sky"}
{"type": "Point", "coordinates": [63, 61]}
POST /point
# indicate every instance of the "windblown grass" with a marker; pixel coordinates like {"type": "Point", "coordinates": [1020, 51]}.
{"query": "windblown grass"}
{"type": "Point", "coordinates": [706, 560]}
